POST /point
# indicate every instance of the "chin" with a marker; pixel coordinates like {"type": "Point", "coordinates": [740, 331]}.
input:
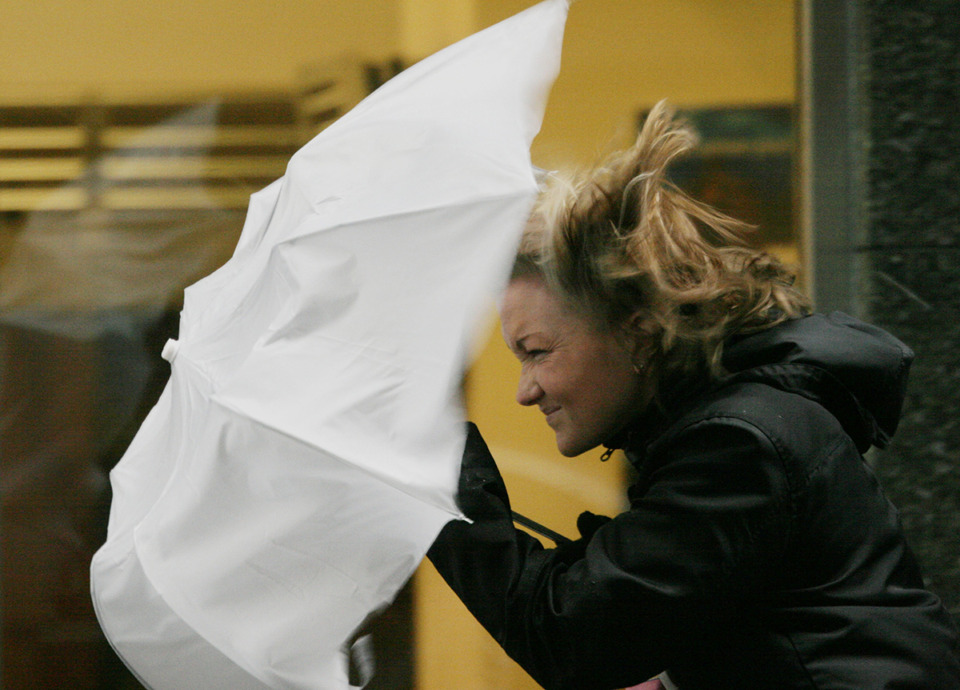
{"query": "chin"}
{"type": "Point", "coordinates": [572, 447]}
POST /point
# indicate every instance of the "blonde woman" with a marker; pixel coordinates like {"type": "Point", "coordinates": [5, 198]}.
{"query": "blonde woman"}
{"type": "Point", "coordinates": [758, 550]}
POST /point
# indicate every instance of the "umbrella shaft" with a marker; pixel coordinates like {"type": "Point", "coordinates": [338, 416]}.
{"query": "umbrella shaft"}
{"type": "Point", "coordinates": [555, 537]}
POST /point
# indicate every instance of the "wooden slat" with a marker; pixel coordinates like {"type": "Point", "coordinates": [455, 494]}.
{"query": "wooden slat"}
{"type": "Point", "coordinates": [322, 102]}
{"type": "Point", "coordinates": [191, 167]}
{"type": "Point", "coordinates": [200, 136]}
{"type": "Point", "coordinates": [748, 148]}
{"type": "Point", "coordinates": [60, 199]}
{"type": "Point", "coordinates": [143, 156]}
{"type": "Point", "coordinates": [329, 89]}
{"type": "Point", "coordinates": [26, 138]}
{"type": "Point", "coordinates": [40, 169]}
{"type": "Point", "coordinates": [182, 198]}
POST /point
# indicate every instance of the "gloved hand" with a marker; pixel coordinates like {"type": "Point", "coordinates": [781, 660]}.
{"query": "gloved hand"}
{"type": "Point", "coordinates": [587, 524]}
{"type": "Point", "coordinates": [483, 498]}
{"type": "Point", "coordinates": [482, 495]}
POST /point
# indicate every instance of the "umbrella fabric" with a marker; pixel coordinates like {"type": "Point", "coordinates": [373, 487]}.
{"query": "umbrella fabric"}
{"type": "Point", "coordinates": [305, 451]}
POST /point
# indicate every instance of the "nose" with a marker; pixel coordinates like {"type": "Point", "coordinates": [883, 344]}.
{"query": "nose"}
{"type": "Point", "coordinates": [528, 390]}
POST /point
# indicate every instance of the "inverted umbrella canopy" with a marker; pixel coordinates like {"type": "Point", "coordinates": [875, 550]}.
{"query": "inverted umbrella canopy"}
{"type": "Point", "coordinates": [305, 451]}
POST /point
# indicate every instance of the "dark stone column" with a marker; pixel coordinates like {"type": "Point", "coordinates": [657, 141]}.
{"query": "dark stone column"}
{"type": "Point", "coordinates": [911, 66]}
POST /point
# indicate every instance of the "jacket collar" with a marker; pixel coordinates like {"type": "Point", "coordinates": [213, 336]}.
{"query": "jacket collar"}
{"type": "Point", "coordinates": [648, 425]}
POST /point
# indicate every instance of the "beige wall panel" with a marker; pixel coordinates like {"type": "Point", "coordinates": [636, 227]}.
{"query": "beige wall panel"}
{"type": "Point", "coordinates": [623, 55]}
{"type": "Point", "coordinates": [63, 49]}
{"type": "Point", "coordinates": [426, 26]}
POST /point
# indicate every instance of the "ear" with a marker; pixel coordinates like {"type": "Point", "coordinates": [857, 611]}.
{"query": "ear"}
{"type": "Point", "coordinates": [636, 330]}
{"type": "Point", "coordinates": [634, 323]}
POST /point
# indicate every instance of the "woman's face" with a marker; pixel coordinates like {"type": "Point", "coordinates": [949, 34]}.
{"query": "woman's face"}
{"type": "Point", "coordinates": [580, 376]}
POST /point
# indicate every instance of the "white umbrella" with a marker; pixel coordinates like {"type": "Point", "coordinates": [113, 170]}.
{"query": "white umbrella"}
{"type": "Point", "coordinates": [305, 451]}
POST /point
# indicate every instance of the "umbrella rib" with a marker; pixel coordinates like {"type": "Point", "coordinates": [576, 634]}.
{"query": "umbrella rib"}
{"type": "Point", "coordinates": [531, 192]}
{"type": "Point", "coordinates": [366, 470]}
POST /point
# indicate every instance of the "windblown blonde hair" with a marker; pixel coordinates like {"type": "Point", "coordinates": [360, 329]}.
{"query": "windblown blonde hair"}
{"type": "Point", "coordinates": [624, 245]}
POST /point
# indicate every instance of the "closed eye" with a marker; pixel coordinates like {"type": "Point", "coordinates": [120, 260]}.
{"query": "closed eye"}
{"type": "Point", "coordinates": [526, 351]}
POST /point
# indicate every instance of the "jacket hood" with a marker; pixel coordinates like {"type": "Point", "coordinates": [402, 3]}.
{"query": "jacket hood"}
{"type": "Point", "coordinates": [858, 372]}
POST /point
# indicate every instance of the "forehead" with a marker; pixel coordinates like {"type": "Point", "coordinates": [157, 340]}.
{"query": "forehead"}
{"type": "Point", "coordinates": [529, 307]}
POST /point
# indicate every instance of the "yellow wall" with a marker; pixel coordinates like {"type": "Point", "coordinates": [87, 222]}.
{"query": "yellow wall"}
{"type": "Point", "coordinates": [619, 56]}
{"type": "Point", "coordinates": [59, 50]}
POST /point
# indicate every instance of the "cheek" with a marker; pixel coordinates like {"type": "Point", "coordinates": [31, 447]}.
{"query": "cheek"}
{"type": "Point", "coordinates": [553, 383]}
{"type": "Point", "coordinates": [588, 392]}
{"type": "Point", "coordinates": [589, 379]}
{"type": "Point", "coordinates": [569, 380]}
{"type": "Point", "coordinates": [615, 386]}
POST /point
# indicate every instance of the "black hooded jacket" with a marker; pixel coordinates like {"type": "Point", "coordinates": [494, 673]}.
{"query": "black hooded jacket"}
{"type": "Point", "coordinates": [758, 550]}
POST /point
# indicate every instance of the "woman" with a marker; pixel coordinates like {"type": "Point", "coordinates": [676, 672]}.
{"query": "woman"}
{"type": "Point", "coordinates": [758, 550]}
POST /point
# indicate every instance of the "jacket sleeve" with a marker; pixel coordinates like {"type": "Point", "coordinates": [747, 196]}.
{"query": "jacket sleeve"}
{"type": "Point", "coordinates": [615, 608]}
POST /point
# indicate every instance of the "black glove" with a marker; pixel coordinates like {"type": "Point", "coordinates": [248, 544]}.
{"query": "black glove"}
{"type": "Point", "coordinates": [483, 498]}
{"type": "Point", "coordinates": [587, 524]}
{"type": "Point", "coordinates": [482, 494]}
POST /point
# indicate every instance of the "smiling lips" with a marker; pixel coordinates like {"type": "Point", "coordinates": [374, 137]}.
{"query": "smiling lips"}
{"type": "Point", "coordinates": [548, 411]}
